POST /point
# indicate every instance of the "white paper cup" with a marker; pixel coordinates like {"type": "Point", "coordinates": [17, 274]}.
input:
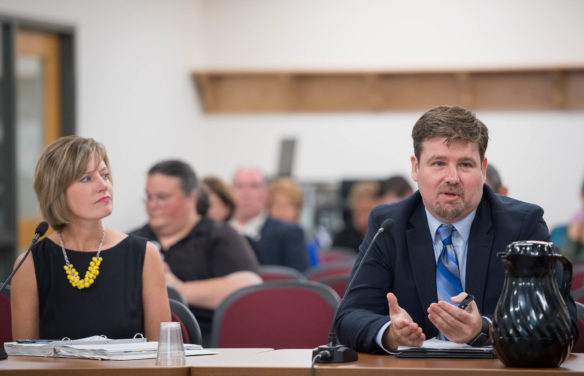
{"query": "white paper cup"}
{"type": "Point", "coordinates": [171, 351]}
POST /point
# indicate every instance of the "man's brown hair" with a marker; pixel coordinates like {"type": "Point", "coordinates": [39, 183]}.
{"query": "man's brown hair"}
{"type": "Point", "coordinates": [453, 123]}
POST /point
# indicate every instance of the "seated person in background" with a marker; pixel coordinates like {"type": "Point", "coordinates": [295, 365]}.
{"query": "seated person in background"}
{"type": "Point", "coordinates": [275, 242]}
{"type": "Point", "coordinates": [206, 260]}
{"type": "Point", "coordinates": [286, 198]}
{"type": "Point", "coordinates": [221, 200]}
{"type": "Point", "coordinates": [85, 279]}
{"type": "Point", "coordinates": [394, 188]}
{"type": "Point", "coordinates": [494, 181]}
{"type": "Point", "coordinates": [363, 196]}
{"type": "Point", "coordinates": [285, 203]}
{"type": "Point", "coordinates": [442, 245]}
{"type": "Point", "coordinates": [575, 232]}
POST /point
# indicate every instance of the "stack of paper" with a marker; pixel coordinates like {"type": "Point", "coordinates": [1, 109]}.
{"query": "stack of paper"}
{"type": "Point", "coordinates": [96, 347]}
{"type": "Point", "coordinates": [47, 347]}
{"type": "Point", "coordinates": [121, 351]}
{"type": "Point", "coordinates": [109, 351]}
{"type": "Point", "coordinates": [30, 349]}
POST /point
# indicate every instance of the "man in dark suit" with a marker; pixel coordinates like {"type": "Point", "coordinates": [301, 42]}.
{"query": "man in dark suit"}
{"type": "Point", "coordinates": [274, 242]}
{"type": "Point", "coordinates": [395, 299]}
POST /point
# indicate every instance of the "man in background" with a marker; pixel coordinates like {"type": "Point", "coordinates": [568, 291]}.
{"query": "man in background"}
{"type": "Point", "coordinates": [494, 181]}
{"type": "Point", "coordinates": [394, 188]}
{"type": "Point", "coordinates": [274, 242]}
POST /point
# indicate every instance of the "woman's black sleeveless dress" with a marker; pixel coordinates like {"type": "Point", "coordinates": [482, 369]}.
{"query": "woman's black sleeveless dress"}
{"type": "Point", "coordinates": [112, 306]}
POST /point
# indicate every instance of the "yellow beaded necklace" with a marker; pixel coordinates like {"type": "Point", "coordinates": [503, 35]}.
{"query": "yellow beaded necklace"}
{"type": "Point", "coordinates": [91, 273]}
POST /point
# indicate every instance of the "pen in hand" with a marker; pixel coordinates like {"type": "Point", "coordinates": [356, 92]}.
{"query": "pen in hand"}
{"type": "Point", "coordinates": [466, 301]}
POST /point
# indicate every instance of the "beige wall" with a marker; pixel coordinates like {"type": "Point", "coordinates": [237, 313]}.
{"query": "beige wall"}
{"type": "Point", "coordinates": [134, 58]}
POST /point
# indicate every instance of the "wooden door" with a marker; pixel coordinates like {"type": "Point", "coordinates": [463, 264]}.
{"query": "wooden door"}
{"type": "Point", "coordinates": [38, 118]}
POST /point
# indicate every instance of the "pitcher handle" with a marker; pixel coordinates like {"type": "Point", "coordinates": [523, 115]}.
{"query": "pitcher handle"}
{"type": "Point", "coordinates": [566, 277]}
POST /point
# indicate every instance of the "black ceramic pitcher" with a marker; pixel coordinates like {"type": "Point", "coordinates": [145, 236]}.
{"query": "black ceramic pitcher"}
{"type": "Point", "coordinates": [531, 325]}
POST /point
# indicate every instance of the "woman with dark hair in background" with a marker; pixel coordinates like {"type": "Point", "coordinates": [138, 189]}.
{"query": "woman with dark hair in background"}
{"type": "Point", "coordinates": [221, 203]}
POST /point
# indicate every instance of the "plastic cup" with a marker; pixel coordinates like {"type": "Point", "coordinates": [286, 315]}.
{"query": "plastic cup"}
{"type": "Point", "coordinates": [171, 351]}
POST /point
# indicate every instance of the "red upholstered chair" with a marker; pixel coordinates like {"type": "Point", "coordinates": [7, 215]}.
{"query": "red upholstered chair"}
{"type": "Point", "coordinates": [579, 346]}
{"type": "Point", "coordinates": [273, 273]}
{"type": "Point", "coordinates": [577, 276]}
{"type": "Point", "coordinates": [5, 320]}
{"type": "Point", "coordinates": [279, 315]}
{"type": "Point", "coordinates": [191, 332]}
{"type": "Point", "coordinates": [337, 283]}
{"type": "Point", "coordinates": [336, 255]}
{"type": "Point", "coordinates": [337, 269]}
{"type": "Point", "coordinates": [183, 328]}
{"type": "Point", "coordinates": [578, 295]}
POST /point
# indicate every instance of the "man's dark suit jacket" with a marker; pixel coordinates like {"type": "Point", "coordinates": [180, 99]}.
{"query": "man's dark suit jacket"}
{"type": "Point", "coordinates": [402, 261]}
{"type": "Point", "coordinates": [281, 243]}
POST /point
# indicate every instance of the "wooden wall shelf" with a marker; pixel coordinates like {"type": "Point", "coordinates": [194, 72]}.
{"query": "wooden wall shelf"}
{"type": "Point", "coordinates": [504, 89]}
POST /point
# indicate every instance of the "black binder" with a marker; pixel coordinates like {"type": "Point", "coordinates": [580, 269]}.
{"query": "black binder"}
{"type": "Point", "coordinates": [421, 352]}
{"type": "Point", "coordinates": [435, 348]}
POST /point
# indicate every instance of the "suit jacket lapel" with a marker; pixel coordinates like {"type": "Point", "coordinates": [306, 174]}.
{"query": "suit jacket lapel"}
{"type": "Point", "coordinates": [421, 252]}
{"type": "Point", "coordinates": [479, 252]}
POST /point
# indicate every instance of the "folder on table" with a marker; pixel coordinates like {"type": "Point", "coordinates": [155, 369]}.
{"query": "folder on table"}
{"type": "Point", "coordinates": [47, 347]}
{"type": "Point", "coordinates": [435, 348]}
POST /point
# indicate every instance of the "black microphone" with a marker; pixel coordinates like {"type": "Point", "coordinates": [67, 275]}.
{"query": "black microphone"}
{"type": "Point", "coordinates": [334, 352]}
{"type": "Point", "coordinates": [40, 231]}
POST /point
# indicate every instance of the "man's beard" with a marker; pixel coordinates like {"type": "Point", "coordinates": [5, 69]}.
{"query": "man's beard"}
{"type": "Point", "coordinates": [450, 210]}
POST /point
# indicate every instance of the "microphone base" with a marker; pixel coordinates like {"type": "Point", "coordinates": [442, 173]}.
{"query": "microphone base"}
{"type": "Point", "coordinates": [3, 354]}
{"type": "Point", "coordinates": [335, 354]}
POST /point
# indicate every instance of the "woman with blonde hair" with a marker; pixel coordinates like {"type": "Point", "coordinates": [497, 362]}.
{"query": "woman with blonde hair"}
{"type": "Point", "coordinates": [85, 279]}
{"type": "Point", "coordinates": [286, 200]}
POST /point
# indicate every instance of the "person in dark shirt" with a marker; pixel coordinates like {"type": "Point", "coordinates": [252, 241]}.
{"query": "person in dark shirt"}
{"type": "Point", "coordinates": [206, 260]}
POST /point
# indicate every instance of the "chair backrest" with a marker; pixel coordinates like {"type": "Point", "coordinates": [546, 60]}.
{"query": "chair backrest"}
{"type": "Point", "coordinates": [337, 283]}
{"type": "Point", "coordinates": [579, 346]}
{"type": "Point", "coordinates": [577, 276]}
{"type": "Point", "coordinates": [188, 320]}
{"type": "Point", "coordinates": [273, 273]}
{"type": "Point", "coordinates": [578, 294]}
{"type": "Point", "coordinates": [336, 269]}
{"type": "Point", "coordinates": [7, 291]}
{"type": "Point", "coordinates": [5, 320]}
{"type": "Point", "coordinates": [174, 294]}
{"type": "Point", "coordinates": [279, 315]}
{"type": "Point", "coordinates": [183, 328]}
{"type": "Point", "coordinates": [335, 255]}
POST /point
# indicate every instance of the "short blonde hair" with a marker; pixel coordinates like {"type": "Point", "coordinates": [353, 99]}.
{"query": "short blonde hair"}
{"type": "Point", "coordinates": [60, 165]}
{"type": "Point", "coordinates": [290, 188]}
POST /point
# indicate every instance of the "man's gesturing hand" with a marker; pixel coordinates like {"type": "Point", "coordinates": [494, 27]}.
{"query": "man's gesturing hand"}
{"type": "Point", "coordinates": [458, 325]}
{"type": "Point", "coordinates": [403, 331]}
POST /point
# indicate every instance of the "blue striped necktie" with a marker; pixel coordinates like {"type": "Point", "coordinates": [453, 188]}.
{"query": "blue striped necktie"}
{"type": "Point", "coordinates": [447, 271]}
